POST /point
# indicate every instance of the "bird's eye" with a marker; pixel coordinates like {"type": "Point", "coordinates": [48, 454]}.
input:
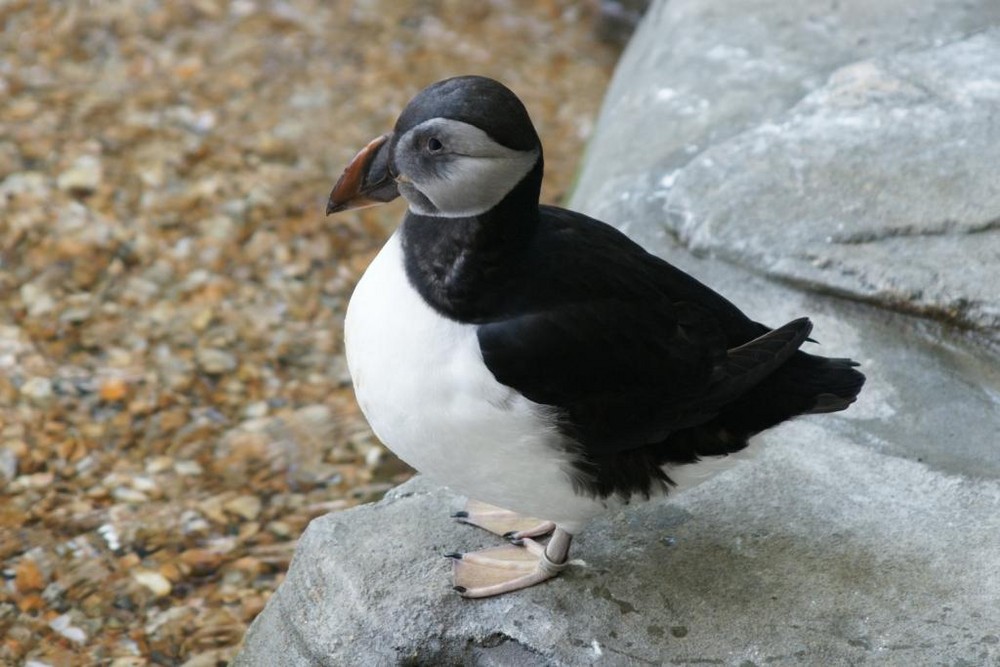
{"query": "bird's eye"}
{"type": "Point", "coordinates": [434, 145]}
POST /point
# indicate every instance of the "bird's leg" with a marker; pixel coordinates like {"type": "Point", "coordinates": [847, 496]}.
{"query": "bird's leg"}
{"type": "Point", "coordinates": [500, 570]}
{"type": "Point", "coordinates": [503, 522]}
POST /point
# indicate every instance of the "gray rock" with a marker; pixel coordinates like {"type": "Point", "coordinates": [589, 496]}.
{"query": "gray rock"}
{"type": "Point", "coordinates": [869, 535]}
{"type": "Point", "coordinates": [838, 148]}
{"type": "Point", "coordinates": [877, 186]}
{"type": "Point", "coordinates": [618, 19]}
{"type": "Point", "coordinates": [699, 71]}
{"type": "Point", "coordinates": [822, 551]}
{"type": "Point", "coordinates": [866, 536]}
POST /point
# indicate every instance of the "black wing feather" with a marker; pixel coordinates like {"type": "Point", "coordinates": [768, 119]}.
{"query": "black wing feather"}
{"type": "Point", "coordinates": [643, 365]}
{"type": "Point", "coordinates": [628, 347]}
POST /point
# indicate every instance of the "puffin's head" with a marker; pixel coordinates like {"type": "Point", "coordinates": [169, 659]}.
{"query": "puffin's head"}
{"type": "Point", "coordinates": [459, 147]}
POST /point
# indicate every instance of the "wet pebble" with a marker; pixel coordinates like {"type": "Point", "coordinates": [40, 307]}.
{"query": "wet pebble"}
{"type": "Point", "coordinates": [216, 361]}
{"type": "Point", "coordinates": [37, 389]}
{"type": "Point", "coordinates": [155, 582]}
{"type": "Point", "coordinates": [175, 406]}
{"type": "Point", "coordinates": [83, 177]}
{"type": "Point", "coordinates": [246, 506]}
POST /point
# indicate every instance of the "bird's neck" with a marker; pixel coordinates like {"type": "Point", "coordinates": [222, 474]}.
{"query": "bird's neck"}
{"type": "Point", "coordinates": [458, 265]}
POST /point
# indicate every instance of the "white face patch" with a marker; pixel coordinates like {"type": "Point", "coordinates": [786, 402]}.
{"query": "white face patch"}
{"type": "Point", "coordinates": [452, 169]}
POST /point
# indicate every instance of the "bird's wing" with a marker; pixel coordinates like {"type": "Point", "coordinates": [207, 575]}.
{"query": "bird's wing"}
{"type": "Point", "coordinates": [628, 349]}
{"type": "Point", "coordinates": [626, 375]}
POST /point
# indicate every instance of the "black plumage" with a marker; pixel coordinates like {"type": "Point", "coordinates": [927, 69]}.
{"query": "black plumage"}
{"type": "Point", "coordinates": [538, 359]}
{"type": "Point", "coordinates": [645, 365]}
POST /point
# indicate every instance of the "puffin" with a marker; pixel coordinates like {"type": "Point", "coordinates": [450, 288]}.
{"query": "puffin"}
{"type": "Point", "coordinates": [537, 360]}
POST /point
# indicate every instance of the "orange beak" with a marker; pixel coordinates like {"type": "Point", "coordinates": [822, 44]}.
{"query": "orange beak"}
{"type": "Point", "coordinates": [366, 180]}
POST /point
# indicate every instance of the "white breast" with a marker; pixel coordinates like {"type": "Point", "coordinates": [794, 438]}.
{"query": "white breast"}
{"type": "Point", "coordinates": [421, 382]}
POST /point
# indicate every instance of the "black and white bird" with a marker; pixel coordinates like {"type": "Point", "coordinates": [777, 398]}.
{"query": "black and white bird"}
{"type": "Point", "coordinates": [536, 359]}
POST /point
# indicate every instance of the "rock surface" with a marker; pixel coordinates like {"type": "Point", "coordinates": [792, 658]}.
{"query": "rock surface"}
{"type": "Point", "coordinates": [867, 536]}
{"type": "Point", "coordinates": [839, 149]}
{"type": "Point", "coordinates": [876, 185]}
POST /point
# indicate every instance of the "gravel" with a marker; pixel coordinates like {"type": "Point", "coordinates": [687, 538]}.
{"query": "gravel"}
{"type": "Point", "coordinates": [174, 403]}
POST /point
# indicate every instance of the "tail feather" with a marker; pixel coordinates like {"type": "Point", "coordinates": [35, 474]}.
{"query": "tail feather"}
{"type": "Point", "coordinates": [834, 384]}
{"type": "Point", "coordinates": [795, 383]}
{"type": "Point", "coordinates": [806, 384]}
{"type": "Point", "coordinates": [765, 353]}
{"type": "Point", "coordinates": [751, 363]}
